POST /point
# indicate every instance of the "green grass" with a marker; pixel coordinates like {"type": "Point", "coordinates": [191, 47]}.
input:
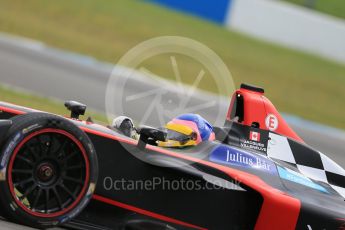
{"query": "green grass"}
{"type": "Point", "coordinates": [332, 7]}
{"type": "Point", "coordinates": [40, 103]}
{"type": "Point", "coordinates": [297, 83]}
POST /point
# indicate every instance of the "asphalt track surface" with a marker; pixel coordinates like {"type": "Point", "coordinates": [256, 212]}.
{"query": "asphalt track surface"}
{"type": "Point", "coordinates": [10, 226]}
{"type": "Point", "coordinates": [52, 73]}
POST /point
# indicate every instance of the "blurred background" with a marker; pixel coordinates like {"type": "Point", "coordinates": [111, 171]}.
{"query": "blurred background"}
{"type": "Point", "coordinates": [295, 49]}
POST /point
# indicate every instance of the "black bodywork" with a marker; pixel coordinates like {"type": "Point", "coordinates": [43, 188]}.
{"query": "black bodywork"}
{"type": "Point", "coordinates": [211, 205]}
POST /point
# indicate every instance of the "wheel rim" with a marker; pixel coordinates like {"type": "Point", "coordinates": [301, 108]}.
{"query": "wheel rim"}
{"type": "Point", "coordinates": [48, 173]}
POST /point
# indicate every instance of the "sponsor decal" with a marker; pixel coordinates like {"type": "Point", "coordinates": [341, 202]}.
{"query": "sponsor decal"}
{"type": "Point", "coordinates": [30, 128]}
{"type": "Point", "coordinates": [254, 136]}
{"type": "Point", "coordinates": [272, 122]}
{"type": "Point", "coordinates": [256, 140]}
{"type": "Point", "coordinates": [8, 151]}
{"type": "Point", "coordinates": [298, 178]}
{"type": "Point", "coordinates": [227, 155]}
{"type": "Point", "coordinates": [253, 145]}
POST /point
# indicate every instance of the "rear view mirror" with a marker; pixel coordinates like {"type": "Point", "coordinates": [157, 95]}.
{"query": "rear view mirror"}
{"type": "Point", "coordinates": [76, 108]}
{"type": "Point", "coordinates": [149, 135]}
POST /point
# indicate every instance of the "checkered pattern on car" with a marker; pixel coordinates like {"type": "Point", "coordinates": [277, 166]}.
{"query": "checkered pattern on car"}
{"type": "Point", "coordinates": [309, 162]}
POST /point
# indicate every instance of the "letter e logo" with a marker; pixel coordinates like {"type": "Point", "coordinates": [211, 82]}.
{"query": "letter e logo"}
{"type": "Point", "coordinates": [272, 122]}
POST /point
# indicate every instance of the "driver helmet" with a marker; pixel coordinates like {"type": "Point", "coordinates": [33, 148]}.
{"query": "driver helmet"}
{"type": "Point", "coordinates": [187, 130]}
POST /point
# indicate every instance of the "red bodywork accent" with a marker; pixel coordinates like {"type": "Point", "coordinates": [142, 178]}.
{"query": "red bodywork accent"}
{"type": "Point", "coordinates": [87, 174]}
{"type": "Point", "coordinates": [342, 226]}
{"type": "Point", "coordinates": [258, 108]}
{"type": "Point", "coordinates": [145, 212]}
{"type": "Point", "coordinates": [13, 111]}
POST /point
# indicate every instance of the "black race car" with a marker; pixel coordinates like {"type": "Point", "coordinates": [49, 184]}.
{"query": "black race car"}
{"type": "Point", "coordinates": [257, 174]}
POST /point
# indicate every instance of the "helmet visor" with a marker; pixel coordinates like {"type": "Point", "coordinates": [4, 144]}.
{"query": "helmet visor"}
{"type": "Point", "coordinates": [180, 137]}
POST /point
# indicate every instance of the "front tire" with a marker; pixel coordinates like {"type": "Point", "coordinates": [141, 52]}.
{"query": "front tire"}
{"type": "Point", "coordinates": [48, 170]}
